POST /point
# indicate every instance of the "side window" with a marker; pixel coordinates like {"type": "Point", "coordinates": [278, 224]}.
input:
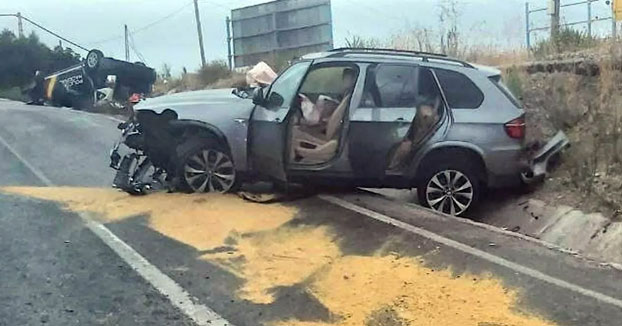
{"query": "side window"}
{"type": "Point", "coordinates": [460, 91]}
{"type": "Point", "coordinates": [332, 81]}
{"type": "Point", "coordinates": [284, 88]}
{"type": "Point", "coordinates": [390, 86]}
{"type": "Point", "coordinates": [428, 92]}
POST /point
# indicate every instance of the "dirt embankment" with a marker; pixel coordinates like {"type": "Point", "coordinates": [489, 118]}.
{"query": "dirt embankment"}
{"type": "Point", "coordinates": [588, 107]}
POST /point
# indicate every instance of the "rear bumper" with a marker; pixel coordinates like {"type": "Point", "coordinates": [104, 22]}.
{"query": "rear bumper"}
{"type": "Point", "coordinates": [505, 165]}
{"type": "Point", "coordinates": [539, 163]}
{"type": "Point", "coordinates": [510, 168]}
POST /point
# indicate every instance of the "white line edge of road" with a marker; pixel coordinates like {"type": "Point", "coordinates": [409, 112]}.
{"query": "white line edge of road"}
{"type": "Point", "coordinates": [474, 251]}
{"type": "Point", "coordinates": [178, 296]}
{"type": "Point", "coordinates": [438, 216]}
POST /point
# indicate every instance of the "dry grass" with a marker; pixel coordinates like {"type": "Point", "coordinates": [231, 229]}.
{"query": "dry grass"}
{"type": "Point", "coordinates": [215, 74]}
{"type": "Point", "coordinates": [589, 110]}
{"type": "Point", "coordinates": [234, 80]}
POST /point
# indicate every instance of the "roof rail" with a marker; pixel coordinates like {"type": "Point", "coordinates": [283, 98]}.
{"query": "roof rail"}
{"type": "Point", "coordinates": [343, 49]}
{"type": "Point", "coordinates": [425, 56]}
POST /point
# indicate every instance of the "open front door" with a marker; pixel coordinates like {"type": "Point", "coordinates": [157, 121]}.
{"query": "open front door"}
{"type": "Point", "coordinates": [268, 126]}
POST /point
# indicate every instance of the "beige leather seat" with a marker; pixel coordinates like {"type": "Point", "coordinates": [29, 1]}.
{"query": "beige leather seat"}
{"type": "Point", "coordinates": [317, 145]}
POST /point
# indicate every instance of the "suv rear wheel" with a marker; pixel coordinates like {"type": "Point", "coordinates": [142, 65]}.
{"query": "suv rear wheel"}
{"type": "Point", "coordinates": [205, 166]}
{"type": "Point", "coordinates": [450, 188]}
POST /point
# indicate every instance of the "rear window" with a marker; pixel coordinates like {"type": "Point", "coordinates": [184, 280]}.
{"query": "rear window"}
{"type": "Point", "coordinates": [505, 90]}
{"type": "Point", "coordinates": [460, 91]}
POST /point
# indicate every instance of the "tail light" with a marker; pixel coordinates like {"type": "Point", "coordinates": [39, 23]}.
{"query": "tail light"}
{"type": "Point", "coordinates": [135, 98]}
{"type": "Point", "coordinates": [516, 128]}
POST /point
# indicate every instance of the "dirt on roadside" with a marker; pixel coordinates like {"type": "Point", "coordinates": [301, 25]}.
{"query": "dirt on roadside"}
{"type": "Point", "coordinates": [589, 110]}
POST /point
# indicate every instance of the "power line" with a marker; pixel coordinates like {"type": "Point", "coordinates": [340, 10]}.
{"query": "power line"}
{"type": "Point", "coordinates": [162, 19]}
{"type": "Point", "coordinates": [114, 38]}
{"type": "Point", "coordinates": [55, 34]}
{"type": "Point", "coordinates": [45, 29]}
{"type": "Point", "coordinates": [222, 7]}
{"type": "Point", "coordinates": [133, 46]}
{"type": "Point", "coordinates": [140, 29]}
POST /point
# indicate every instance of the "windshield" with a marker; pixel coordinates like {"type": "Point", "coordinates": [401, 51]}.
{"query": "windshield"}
{"type": "Point", "coordinates": [283, 89]}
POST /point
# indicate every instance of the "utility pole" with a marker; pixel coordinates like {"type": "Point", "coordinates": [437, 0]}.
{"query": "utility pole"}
{"type": "Point", "coordinates": [554, 9]}
{"type": "Point", "coordinates": [199, 31]}
{"type": "Point", "coordinates": [528, 26]}
{"type": "Point", "coordinates": [589, 18]}
{"type": "Point", "coordinates": [229, 56]}
{"type": "Point", "coordinates": [20, 25]}
{"type": "Point", "coordinates": [127, 44]}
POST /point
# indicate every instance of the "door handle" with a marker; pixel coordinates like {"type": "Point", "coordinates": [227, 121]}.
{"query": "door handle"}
{"type": "Point", "coordinates": [240, 121]}
{"type": "Point", "coordinates": [277, 119]}
{"type": "Point", "coordinates": [401, 120]}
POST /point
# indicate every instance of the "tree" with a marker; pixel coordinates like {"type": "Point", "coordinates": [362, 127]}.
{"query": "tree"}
{"type": "Point", "coordinates": [22, 57]}
{"type": "Point", "coordinates": [166, 71]}
{"type": "Point", "coordinates": [449, 17]}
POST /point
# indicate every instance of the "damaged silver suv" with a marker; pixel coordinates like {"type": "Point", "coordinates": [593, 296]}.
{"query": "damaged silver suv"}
{"type": "Point", "coordinates": [360, 117]}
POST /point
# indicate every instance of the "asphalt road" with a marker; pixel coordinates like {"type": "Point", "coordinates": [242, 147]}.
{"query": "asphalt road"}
{"type": "Point", "coordinates": [76, 252]}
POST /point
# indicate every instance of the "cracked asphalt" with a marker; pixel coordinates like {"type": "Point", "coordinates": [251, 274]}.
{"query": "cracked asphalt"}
{"type": "Point", "coordinates": [354, 259]}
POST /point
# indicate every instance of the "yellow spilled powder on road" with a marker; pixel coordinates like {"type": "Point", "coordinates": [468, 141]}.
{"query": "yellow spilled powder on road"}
{"type": "Point", "coordinates": [203, 221]}
{"type": "Point", "coordinates": [267, 253]}
{"type": "Point", "coordinates": [388, 290]}
{"type": "Point", "coordinates": [278, 258]}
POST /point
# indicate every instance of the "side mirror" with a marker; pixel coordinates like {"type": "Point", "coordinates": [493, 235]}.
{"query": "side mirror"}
{"type": "Point", "coordinates": [258, 97]}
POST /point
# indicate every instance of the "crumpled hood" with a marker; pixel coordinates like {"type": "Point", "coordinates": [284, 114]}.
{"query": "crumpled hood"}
{"type": "Point", "coordinates": [205, 105]}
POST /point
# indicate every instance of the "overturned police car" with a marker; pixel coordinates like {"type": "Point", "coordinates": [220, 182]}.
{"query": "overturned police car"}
{"type": "Point", "coordinates": [96, 79]}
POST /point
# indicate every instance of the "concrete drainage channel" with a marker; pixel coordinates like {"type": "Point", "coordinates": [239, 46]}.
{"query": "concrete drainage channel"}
{"type": "Point", "coordinates": [592, 235]}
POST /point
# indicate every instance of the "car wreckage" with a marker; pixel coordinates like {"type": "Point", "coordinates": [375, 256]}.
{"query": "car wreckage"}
{"type": "Point", "coordinates": [95, 80]}
{"type": "Point", "coordinates": [355, 117]}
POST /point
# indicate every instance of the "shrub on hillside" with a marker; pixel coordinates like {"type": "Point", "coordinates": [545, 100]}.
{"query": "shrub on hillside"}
{"type": "Point", "coordinates": [214, 71]}
{"type": "Point", "coordinates": [566, 40]}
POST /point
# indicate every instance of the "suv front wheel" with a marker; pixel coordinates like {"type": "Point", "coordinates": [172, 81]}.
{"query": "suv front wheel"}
{"type": "Point", "coordinates": [205, 166]}
{"type": "Point", "coordinates": [450, 188]}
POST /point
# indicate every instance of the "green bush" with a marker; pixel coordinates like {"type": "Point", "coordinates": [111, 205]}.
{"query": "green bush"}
{"type": "Point", "coordinates": [566, 40]}
{"type": "Point", "coordinates": [514, 82]}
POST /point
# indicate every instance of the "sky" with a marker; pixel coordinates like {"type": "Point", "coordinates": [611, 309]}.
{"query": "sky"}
{"type": "Point", "coordinates": [164, 31]}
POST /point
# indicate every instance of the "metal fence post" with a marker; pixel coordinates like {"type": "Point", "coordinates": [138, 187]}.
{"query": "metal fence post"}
{"type": "Point", "coordinates": [614, 25]}
{"type": "Point", "coordinates": [527, 31]}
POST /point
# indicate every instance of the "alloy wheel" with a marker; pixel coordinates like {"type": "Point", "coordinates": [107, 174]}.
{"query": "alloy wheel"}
{"type": "Point", "coordinates": [210, 171]}
{"type": "Point", "coordinates": [450, 192]}
{"type": "Point", "coordinates": [92, 60]}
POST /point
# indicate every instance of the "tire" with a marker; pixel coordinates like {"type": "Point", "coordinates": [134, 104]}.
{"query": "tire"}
{"type": "Point", "coordinates": [204, 165]}
{"type": "Point", "coordinates": [457, 197]}
{"type": "Point", "coordinates": [93, 60]}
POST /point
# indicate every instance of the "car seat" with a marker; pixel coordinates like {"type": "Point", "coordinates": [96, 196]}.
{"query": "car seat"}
{"type": "Point", "coordinates": [314, 146]}
{"type": "Point", "coordinates": [420, 127]}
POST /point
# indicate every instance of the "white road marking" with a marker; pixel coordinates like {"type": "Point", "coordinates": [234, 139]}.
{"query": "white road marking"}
{"type": "Point", "coordinates": [201, 314]}
{"type": "Point", "coordinates": [32, 169]}
{"type": "Point", "coordinates": [474, 251]}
